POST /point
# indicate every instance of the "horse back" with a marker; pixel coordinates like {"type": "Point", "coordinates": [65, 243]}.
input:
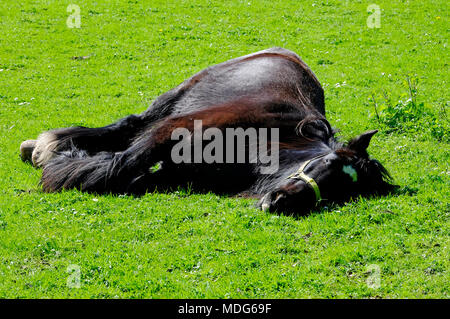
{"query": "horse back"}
{"type": "Point", "coordinates": [274, 75]}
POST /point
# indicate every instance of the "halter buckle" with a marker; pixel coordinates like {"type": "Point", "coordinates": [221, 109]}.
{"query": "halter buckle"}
{"type": "Point", "coordinates": [308, 180]}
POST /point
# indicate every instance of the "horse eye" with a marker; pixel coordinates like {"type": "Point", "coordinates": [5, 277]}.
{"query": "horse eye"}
{"type": "Point", "coordinates": [331, 161]}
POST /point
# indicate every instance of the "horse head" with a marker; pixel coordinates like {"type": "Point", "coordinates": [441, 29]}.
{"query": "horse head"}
{"type": "Point", "coordinates": [330, 176]}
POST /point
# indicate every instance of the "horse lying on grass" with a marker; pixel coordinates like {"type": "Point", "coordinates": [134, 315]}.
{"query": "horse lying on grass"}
{"type": "Point", "coordinates": [272, 89]}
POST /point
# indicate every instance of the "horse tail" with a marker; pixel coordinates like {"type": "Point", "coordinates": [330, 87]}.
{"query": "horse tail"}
{"type": "Point", "coordinates": [101, 173]}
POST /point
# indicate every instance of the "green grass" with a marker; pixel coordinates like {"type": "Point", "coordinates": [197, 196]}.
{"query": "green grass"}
{"type": "Point", "coordinates": [181, 245]}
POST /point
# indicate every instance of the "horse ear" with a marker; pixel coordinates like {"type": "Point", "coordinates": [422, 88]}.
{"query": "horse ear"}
{"type": "Point", "coordinates": [361, 142]}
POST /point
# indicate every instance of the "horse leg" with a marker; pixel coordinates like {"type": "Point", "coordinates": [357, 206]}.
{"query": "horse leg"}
{"type": "Point", "coordinates": [104, 172]}
{"type": "Point", "coordinates": [111, 138]}
{"type": "Point", "coordinates": [26, 150]}
{"type": "Point", "coordinates": [116, 171]}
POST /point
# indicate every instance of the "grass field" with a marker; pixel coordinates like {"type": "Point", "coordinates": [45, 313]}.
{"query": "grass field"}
{"type": "Point", "coordinates": [181, 245]}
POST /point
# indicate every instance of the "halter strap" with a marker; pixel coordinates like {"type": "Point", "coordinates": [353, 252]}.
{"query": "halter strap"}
{"type": "Point", "coordinates": [308, 180]}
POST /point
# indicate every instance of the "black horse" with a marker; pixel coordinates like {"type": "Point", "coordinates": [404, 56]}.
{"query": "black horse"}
{"type": "Point", "coordinates": [273, 88]}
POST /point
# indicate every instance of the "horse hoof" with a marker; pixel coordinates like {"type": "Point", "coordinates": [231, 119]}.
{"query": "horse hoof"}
{"type": "Point", "coordinates": [26, 150]}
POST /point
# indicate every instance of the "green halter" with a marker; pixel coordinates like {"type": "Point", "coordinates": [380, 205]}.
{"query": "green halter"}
{"type": "Point", "coordinates": [308, 180]}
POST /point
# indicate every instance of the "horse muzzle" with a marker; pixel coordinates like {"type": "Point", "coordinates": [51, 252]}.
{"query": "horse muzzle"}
{"type": "Point", "coordinates": [299, 201]}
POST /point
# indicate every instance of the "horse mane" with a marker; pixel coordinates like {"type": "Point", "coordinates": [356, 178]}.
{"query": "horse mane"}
{"type": "Point", "coordinates": [380, 179]}
{"type": "Point", "coordinates": [375, 176]}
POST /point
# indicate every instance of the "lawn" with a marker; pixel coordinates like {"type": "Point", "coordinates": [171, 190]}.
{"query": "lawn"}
{"type": "Point", "coordinates": [183, 245]}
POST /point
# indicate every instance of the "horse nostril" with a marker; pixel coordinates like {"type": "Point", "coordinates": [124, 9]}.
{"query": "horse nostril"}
{"type": "Point", "coordinates": [271, 201]}
{"type": "Point", "coordinates": [277, 201]}
{"type": "Point", "coordinates": [278, 197]}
